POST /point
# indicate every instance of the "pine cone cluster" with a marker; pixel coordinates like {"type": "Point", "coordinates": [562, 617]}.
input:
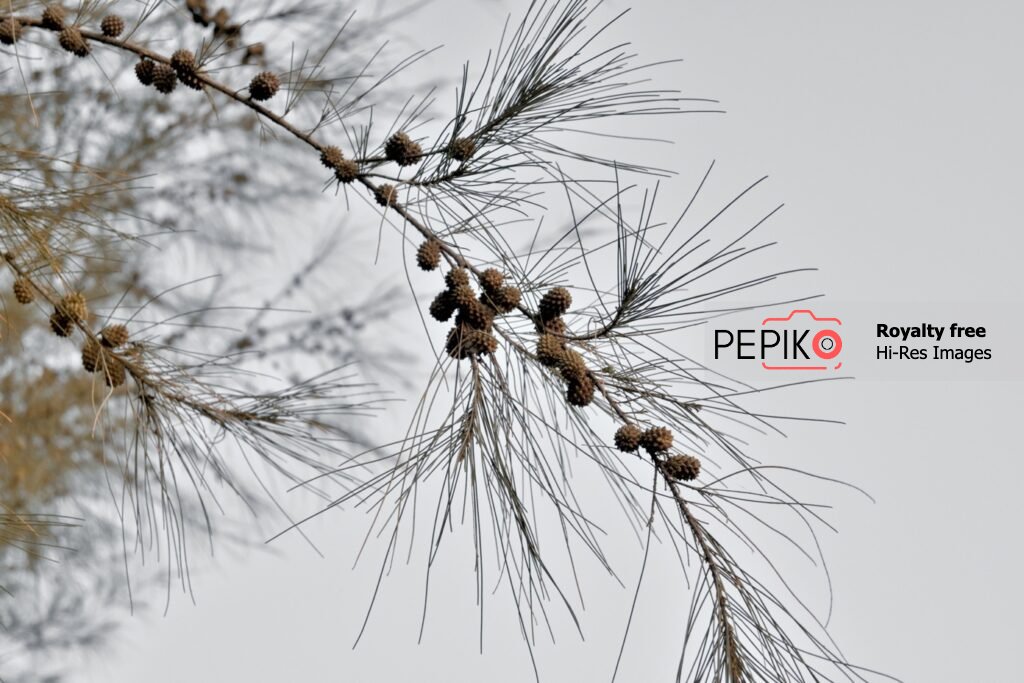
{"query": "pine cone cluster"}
{"type": "Point", "coordinates": [682, 467]}
{"type": "Point", "coordinates": [472, 333]}
{"type": "Point", "coordinates": [428, 256]}
{"type": "Point", "coordinates": [264, 85]}
{"type": "Point", "coordinates": [112, 26]}
{"type": "Point", "coordinates": [402, 149]}
{"type": "Point", "coordinates": [10, 31]}
{"type": "Point", "coordinates": [496, 294]}
{"type": "Point", "coordinates": [553, 352]}
{"type": "Point", "coordinates": [462, 149]}
{"type": "Point", "coordinates": [72, 41]}
{"type": "Point", "coordinates": [186, 68]}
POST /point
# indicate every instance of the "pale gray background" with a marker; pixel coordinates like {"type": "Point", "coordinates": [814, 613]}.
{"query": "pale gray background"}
{"type": "Point", "coordinates": [892, 132]}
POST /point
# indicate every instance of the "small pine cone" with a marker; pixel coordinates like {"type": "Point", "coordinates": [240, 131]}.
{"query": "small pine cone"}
{"type": "Point", "coordinates": [165, 79]}
{"type": "Point", "coordinates": [462, 149]}
{"type": "Point", "coordinates": [264, 85]}
{"type": "Point", "coordinates": [53, 18]}
{"type": "Point", "coordinates": [442, 307]}
{"type": "Point", "coordinates": [627, 438]}
{"type": "Point", "coordinates": [386, 195]}
{"type": "Point", "coordinates": [464, 296]}
{"type": "Point", "coordinates": [331, 156]}
{"type": "Point", "coordinates": [114, 336]}
{"type": "Point", "coordinates": [91, 353]}
{"type": "Point", "coordinates": [74, 307]}
{"type": "Point", "coordinates": [549, 350]}
{"type": "Point", "coordinates": [572, 366]}
{"type": "Point", "coordinates": [506, 299]}
{"type": "Point", "coordinates": [580, 392]}
{"type": "Point", "coordinates": [657, 440]}
{"type": "Point", "coordinates": [61, 324]}
{"type": "Point", "coordinates": [555, 326]}
{"type": "Point", "coordinates": [187, 68]}
{"type": "Point", "coordinates": [477, 315]}
{"type": "Point", "coordinates": [112, 26]}
{"type": "Point", "coordinates": [428, 256]}
{"type": "Point", "coordinates": [144, 71]}
{"type": "Point", "coordinates": [23, 291]}
{"type": "Point", "coordinates": [457, 277]}
{"type": "Point", "coordinates": [682, 467]}
{"type": "Point", "coordinates": [455, 345]}
{"type": "Point", "coordinates": [491, 280]}
{"type": "Point", "coordinates": [113, 370]}
{"type": "Point", "coordinates": [72, 41]}
{"type": "Point", "coordinates": [184, 63]}
{"type": "Point", "coordinates": [402, 149]}
{"type": "Point", "coordinates": [555, 302]}
{"type": "Point", "coordinates": [10, 31]}
{"type": "Point", "coordinates": [347, 171]}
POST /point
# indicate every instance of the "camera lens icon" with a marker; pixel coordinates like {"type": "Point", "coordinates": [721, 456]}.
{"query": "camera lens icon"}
{"type": "Point", "coordinates": [827, 344]}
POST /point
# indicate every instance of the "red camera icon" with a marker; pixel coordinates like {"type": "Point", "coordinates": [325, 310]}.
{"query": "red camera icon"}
{"type": "Point", "coordinates": [826, 343]}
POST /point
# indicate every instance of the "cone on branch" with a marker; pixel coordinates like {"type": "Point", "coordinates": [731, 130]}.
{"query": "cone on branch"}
{"type": "Point", "coordinates": [402, 149]}
{"type": "Point", "coordinates": [112, 26]}
{"type": "Point", "coordinates": [264, 85]}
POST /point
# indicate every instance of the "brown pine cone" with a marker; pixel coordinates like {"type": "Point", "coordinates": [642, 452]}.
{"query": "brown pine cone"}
{"type": "Point", "coordinates": [402, 149]}
{"type": "Point", "coordinates": [144, 71]}
{"type": "Point", "coordinates": [477, 315]}
{"type": "Point", "coordinates": [53, 17]}
{"type": "Point", "coordinates": [456, 277]}
{"type": "Point", "coordinates": [491, 280]}
{"type": "Point", "coordinates": [555, 302]}
{"type": "Point", "coordinates": [91, 353]}
{"type": "Point", "coordinates": [112, 26]}
{"type": "Point", "coordinates": [72, 41]}
{"type": "Point", "coordinates": [331, 157]}
{"type": "Point", "coordinates": [580, 392]}
{"type": "Point", "coordinates": [657, 440]}
{"type": "Point", "coordinates": [443, 306]}
{"type": "Point", "coordinates": [627, 438]}
{"type": "Point", "coordinates": [23, 291]}
{"type": "Point", "coordinates": [572, 366]}
{"type": "Point", "coordinates": [549, 350]}
{"type": "Point", "coordinates": [347, 171]}
{"type": "Point", "coordinates": [61, 325]}
{"type": "Point", "coordinates": [114, 336]}
{"type": "Point", "coordinates": [264, 85]}
{"type": "Point", "coordinates": [682, 467]}
{"type": "Point", "coordinates": [386, 195]}
{"type": "Point", "coordinates": [73, 307]}
{"type": "Point", "coordinates": [10, 31]}
{"type": "Point", "coordinates": [165, 80]}
{"type": "Point", "coordinates": [464, 296]}
{"type": "Point", "coordinates": [113, 370]}
{"type": "Point", "coordinates": [506, 299]}
{"type": "Point", "coordinates": [461, 149]}
{"type": "Point", "coordinates": [428, 256]}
